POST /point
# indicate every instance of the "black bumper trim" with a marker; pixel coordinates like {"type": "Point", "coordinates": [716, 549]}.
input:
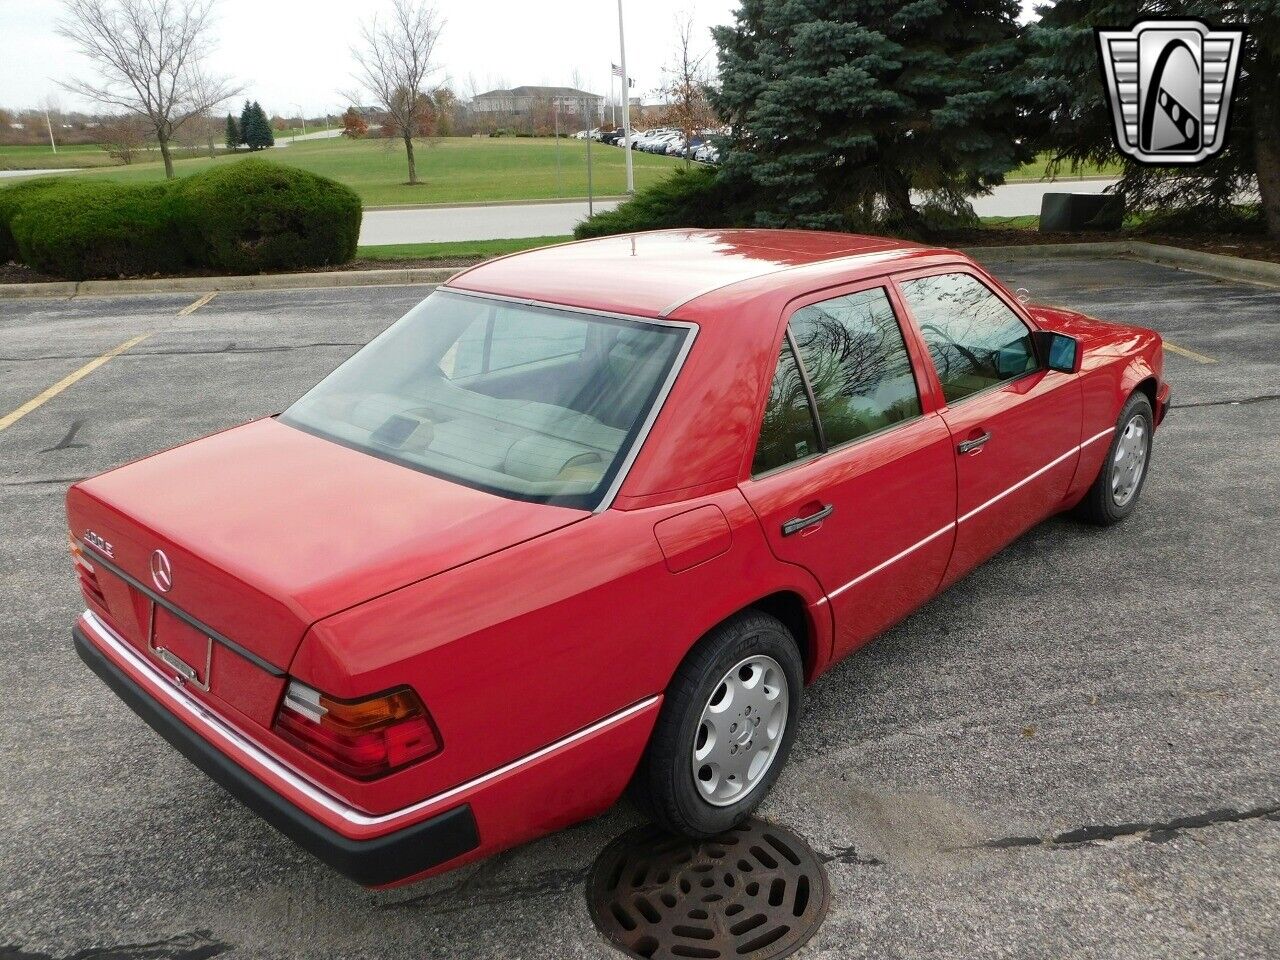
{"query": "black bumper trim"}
{"type": "Point", "coordinates": [375, 862]}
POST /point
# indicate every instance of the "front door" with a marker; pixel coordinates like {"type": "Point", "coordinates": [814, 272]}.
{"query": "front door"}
{"type": "Point", "coordinates": [852, 477]}
{"type": "Point", "coordinates": [1015, 426]}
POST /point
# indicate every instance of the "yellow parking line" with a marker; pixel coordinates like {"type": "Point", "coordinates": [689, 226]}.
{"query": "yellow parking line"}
{"type": "Point", "coordinates": [193, 307]}
{"type": "Point", "coordinates": [1189, 354]}
{"type": "Point", "coordinates": [9, 419]}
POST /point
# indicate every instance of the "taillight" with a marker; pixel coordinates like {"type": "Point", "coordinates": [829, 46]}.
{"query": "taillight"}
{"type": "Point", "coordinates": [88, 575]}
{"type": "Point", "coordinates": [362, 738]}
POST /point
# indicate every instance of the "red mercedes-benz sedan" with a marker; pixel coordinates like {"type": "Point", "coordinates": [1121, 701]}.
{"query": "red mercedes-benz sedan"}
{"type": "Point", "coordinates": [591, 516]}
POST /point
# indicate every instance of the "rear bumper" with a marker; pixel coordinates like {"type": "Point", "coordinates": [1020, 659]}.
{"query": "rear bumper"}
{"type": "Point", "coordinates": [569, 780]}
{"type": "Point", "coordinates": [376, 861]}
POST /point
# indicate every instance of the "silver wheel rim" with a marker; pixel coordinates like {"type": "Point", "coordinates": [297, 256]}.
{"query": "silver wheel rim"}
{"type": "Point", "coordinates": [740, 730]}
{"type": "Point", "coordinates": [1130, 461]}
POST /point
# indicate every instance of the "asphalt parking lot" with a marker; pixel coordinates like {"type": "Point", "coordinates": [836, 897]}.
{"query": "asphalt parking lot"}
{"type": "Point", "coordinates": [1075, 752]}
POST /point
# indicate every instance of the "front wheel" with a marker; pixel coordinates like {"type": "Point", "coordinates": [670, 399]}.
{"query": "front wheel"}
{"type": "Point", "coordinates": [725, 727]}
{"type": "Point", "coordinates": [1115, 493]}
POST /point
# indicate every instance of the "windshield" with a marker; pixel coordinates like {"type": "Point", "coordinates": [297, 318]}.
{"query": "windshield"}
{"type": "Point", "coordinates": [529, 402]}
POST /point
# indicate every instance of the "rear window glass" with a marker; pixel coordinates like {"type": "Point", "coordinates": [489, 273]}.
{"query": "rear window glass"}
{"type": "Point", "coordinates": [525, 401]}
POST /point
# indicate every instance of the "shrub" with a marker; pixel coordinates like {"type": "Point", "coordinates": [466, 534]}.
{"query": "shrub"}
{"type": "Point", "coordinates": [253, 215]}
{"type": "Point", "coordinates": [696, 197]}
{"type": "Point", "coordinates": [11, 201]}
{"type": "Point", "coordinates": [242, 217]}
{"type": "Point", "coordinates": [78, 229]}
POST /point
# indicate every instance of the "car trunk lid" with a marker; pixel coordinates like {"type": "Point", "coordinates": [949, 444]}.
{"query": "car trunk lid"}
{"type": "Point", "coordinates": [266, 529]}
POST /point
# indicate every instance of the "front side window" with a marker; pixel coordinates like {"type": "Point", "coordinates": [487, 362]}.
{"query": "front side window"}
{"type": "Point", "coordinates": [524, 401]}
{"type": "Point", "coordinates": [788, 432]}
{"type": "Point", "coordinates": [973, 337]}
{"type": "Point", "coordinates": [853, 351]}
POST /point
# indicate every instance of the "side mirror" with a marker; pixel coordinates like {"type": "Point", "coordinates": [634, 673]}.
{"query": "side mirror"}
{"type": "Point", "coordinates": [1057, 351]}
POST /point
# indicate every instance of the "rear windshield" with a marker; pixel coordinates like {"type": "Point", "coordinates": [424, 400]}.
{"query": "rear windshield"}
{"type": "Point", "coordinates": [529, 402]}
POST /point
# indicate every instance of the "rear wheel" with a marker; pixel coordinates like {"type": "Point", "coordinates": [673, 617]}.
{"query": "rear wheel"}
{"type": "Point", "coordinates": [725, 727]}
{"type": "Point", "coordinates": [1115, 493]}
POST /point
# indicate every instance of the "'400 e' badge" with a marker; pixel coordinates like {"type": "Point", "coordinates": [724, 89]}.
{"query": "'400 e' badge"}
{"type": "Point", "coordinates": [1170, 84]}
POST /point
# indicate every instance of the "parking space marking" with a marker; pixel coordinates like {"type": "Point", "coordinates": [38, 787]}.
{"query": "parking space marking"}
{"type": "Point", "coordinates": [193, 307]}
{"type": "Point", "coordinates": [1189, 354]}
{"type": "Point", "coordinates": [9, 419]}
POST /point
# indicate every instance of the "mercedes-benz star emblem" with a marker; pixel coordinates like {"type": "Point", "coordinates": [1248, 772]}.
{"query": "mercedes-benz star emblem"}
{"type": "Point", "coordinates": [161, 572]}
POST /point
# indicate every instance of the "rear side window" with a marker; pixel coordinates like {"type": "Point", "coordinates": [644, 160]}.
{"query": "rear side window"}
{"type": "Point", "coordinates": [788, 432]}
{"type": "Point", "coordinates": [973, 337]}
{"type": "Point", "coordinates": [857, 362]}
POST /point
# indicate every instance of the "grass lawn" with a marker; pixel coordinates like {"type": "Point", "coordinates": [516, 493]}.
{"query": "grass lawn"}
{"type": "Point", "coordinates": [42, 158]}
{"type": "Point", "coordinates": [453, 169]}
{"type": "Point", "coordinates": [455, 250]}
{"type": "Point", "coordinates": [1038, 170]}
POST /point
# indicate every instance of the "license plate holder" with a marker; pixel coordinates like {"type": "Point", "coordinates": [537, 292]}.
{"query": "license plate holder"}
{"type": "Point", "coordinates": [181, 647]}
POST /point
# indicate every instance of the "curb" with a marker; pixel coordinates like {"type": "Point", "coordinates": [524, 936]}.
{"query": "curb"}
{"type": "Point", "coordinates": [1213, 264]}
{"type": "Point", "coordinates": [468, 204]}
{"type": "Point", "coordinates": [1197, 261]}
{"type": "Point", "coordinates": [274, 281]}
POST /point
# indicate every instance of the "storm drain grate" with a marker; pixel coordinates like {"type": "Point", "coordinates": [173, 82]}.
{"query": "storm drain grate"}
{"type": "Point", "coordinates": [754, 893]}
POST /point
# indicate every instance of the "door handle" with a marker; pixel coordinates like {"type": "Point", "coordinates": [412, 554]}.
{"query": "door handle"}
{"type": "Point", "coordinates": [968, 446]}
{"type": "Point", "coordinates": [796, 524]}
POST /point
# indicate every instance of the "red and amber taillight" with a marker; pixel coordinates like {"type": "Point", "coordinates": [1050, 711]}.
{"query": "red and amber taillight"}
{"type": "Point", "coordinates": [88, 575]}
{"type": "Point", "coordinates": [363, 738]}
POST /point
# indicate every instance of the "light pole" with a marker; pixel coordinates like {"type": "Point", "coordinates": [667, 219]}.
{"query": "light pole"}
{"type": "Point", "coordinates": [626, 104]}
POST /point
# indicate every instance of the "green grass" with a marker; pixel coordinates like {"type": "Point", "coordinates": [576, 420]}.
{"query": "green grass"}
{"type": "Point", "coordinates": [42, 158]}
{"type": "Point", "coordinates": [458, 249]}
{"type": "Point", "coordinates": [452, 169]}
{"type": "Point", "coordinates": [1038, 170]}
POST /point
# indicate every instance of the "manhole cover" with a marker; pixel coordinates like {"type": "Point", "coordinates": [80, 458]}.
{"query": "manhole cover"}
{"type": "Point", "coordinates": [755, 892]}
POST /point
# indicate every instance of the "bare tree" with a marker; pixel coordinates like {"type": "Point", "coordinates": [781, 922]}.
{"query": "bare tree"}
{"type": "Point", "coordinates": [125, 136]}
{"type": "Point", "coordinates": [395, 58]}
{"type": "Point", "coordinates": [210, 93]}
{"type": "Point", "coordinates": [685, 85]}
{"type": "Point", "coordinates": [148, 54]}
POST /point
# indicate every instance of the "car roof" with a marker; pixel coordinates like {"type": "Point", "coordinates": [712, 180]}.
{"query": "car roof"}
{"type": "Point", "coordinates": [652, 274]}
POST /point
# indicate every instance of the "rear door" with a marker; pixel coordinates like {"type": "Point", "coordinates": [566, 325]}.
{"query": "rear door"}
{"type": "Point", "coordinates": [1015, 426]}
{"type": "Point", "coordinates": [853, 476]}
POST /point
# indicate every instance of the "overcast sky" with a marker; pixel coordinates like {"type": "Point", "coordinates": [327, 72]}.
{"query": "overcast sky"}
{"type": "Point", "coordinates": [296, 52]}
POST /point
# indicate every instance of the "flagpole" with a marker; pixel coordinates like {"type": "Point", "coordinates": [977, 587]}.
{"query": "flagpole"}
{"type": "Point", "coordinates": [626, 103]}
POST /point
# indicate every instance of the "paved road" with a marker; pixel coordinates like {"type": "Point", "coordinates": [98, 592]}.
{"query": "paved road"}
{"type": "Point", "coordinates": [1113, 680]}
{"type": "Point", "coordinates": [7, 174]}
{"type": "Point", "coordinates": [443, 224]}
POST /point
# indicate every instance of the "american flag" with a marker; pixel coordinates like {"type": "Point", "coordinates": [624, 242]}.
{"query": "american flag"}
{"type": "Point", "coordinates": [617, 70]}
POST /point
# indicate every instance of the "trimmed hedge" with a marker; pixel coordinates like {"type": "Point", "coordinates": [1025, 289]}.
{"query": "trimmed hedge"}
{"type": "Point", "coordinates": [243, 217]}
{"type": "Point", "coordinates": [253, 215]}
{"type": "Point", "coordinates": [80, 229]}
{"type": "Point", "coordinates": [11, 199]}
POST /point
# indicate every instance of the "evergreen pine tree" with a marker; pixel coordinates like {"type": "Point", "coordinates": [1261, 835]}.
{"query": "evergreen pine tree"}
{"type": "Point", "coordinates": [266, 136]}
{"type": "Point", "coordinates": [1080, 129]}
{"type": "Point", "coordinates": [246, 124]}
{"type": "Point", "coordinates": [839, 109]}
{"type": "Point", "coordinates": [233, 133]}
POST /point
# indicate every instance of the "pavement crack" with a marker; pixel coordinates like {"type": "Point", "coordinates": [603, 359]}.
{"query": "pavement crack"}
{"type": "Point", "coordinates": [39, 482]}
{"type": "Point", "coordinates": [1154, 832]}
{"type": "Point", "coordinates": [226, 348]}
{"type": "Point", "coordinates": [849, 854]}
{"type": "Point", "coordinates": [196, 945]}
{"type": "Point", "coordinates": [1262, 398]}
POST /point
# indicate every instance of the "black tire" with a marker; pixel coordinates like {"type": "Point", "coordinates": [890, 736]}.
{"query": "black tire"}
{"type": "Point", "coordinates": [1099, 506]}
{"type": "Point", "coordinates": [664, 783]}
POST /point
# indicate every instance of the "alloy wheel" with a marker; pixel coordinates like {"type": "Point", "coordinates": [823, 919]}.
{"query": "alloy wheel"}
{"type": "Point", "coordinates": [1130, 460]}
{"type": "Point", "coordinates": [740, 730]}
